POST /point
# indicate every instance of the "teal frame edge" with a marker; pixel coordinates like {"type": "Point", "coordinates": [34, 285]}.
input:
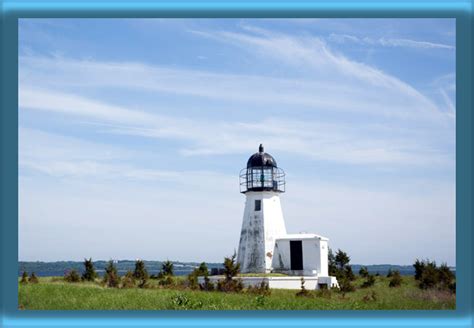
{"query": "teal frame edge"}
{"type": "Point", "coordinates": [12, 10]}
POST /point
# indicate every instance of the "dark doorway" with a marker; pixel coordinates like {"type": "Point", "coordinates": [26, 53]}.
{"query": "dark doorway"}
{"type": "Point", "coordinates": [296, 254]}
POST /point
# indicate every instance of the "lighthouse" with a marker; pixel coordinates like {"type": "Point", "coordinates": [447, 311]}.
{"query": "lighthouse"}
{"type": "Point", "coordinates": [264, 245]}
{"type": "Point", "coordinates": [262, 182]}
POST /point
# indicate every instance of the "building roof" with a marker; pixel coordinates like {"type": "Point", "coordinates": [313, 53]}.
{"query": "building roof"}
{"type": "Point", "coordinates": [300, 236]}
{"type": "Point", "coordinates": [261, 158]}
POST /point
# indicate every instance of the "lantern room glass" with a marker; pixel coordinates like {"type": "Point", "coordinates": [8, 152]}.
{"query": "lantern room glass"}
{"type": "Point", "coordinates": [262, 178]}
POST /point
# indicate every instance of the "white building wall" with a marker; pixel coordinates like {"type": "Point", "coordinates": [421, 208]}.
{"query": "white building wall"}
{"type": "Point", "coordinates": [315, 255]}
{"type": "Point", "coordinates": [311, 282]}
{"type": "Point", "coordinates": [259, 230]}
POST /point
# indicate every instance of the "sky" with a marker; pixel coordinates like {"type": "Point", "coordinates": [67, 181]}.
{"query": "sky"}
{"type": "Point", "coordinates": [132, 133]}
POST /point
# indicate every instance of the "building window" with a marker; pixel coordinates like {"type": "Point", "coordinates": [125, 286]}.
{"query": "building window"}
{"type": "Point", "coordinates": [258, 205]}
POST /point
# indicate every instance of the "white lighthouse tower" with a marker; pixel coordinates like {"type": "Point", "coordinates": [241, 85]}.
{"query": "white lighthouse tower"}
{"type": "Point", "coordinates": [261, 182]}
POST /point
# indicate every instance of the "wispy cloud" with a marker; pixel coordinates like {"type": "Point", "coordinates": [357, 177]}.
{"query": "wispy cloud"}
{"type": "Point", "coordinates": [387, 42]}
{"type": "Point", "coordinates": [318, 141]}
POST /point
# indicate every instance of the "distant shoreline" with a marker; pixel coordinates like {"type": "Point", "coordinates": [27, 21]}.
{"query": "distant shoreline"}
{"type": "Point", "coordinates": [59, 268]}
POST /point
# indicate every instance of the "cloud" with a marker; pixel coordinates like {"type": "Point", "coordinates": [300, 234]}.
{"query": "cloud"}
{"type": "Point", "coordinates": [387, 42]}
{"type": "Point", "coordinates": [315, 140]}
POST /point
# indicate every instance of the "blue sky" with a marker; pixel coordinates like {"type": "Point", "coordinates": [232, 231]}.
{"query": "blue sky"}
{"type": "Point", "coordinates": [132, 133]}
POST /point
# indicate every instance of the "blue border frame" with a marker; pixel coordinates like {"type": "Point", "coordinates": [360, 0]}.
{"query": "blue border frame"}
{"type": "Point", "coordinates": [12, 10]}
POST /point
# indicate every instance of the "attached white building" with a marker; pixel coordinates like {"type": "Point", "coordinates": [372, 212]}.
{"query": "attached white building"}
{"type": "Point", "coordinates": [264, 245]}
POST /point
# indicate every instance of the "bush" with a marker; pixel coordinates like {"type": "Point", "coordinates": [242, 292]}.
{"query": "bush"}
{"type": "Point", "coordinates": [233, 285]}
{"type": "Point", "coordinates": [231, 270]}
{"type": "Point", "coordinates": [72, 276]}
{"type": "Point", "coordinates": [207, 285]}
{"type": "Point", "coordinates": [166, 280]}
{"type": "Point", "coordinates": [348, 273]}
{"type": "Point", "coordinates": [332, 267]}
{"type": "Point", "coordinates": [167, 268]}
{"type": "Point", "coordinates": [341, 259]}
{"type": "Point", "coordinates": [89, 271]}
{"type": "Point", "coordinates": [389, 273]}
{"type": "Point", "coordinates": [363, 272]}
{"type": "Point", "coordinates": [446, 277]}
{"type": "Point", "coordinates": [429, 276]}
{"type": "Point", "coordinates": [419, 267]}
{"type": "Point", "coordinates": [128, 281]}
{"type": "Point", "coordinates": [24, 278]}
{"type": "Point", "coordinates": [370, 281]}
{"type": "Point", "coordinates": [200, 271]}
{"type": "Point", "coordinates": [111, 277]}
{"type": "Point", "coordinates": [345, 286]}
{"type": "Point", "coordinates": [262, 289]}
{"type": "Point", "coordinates": [33, 279]}
{"type": "Point", "coordinates": [303, 291]}
{"type": "Point", "coordinates": [338, 265]}
{"type": "Point", "coordinates": [396, 279]}
{"type": "Point", "coordinates": [141, 274]}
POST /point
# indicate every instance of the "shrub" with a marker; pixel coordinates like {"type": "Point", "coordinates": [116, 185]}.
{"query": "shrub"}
{"type": "Point", "coordinates": [338, 265]}
{"type": "Point", "coordinates": [234, 285]}
{"type": "Point", "coordinates": [446, 276]}
{"type": "Point", "coordinates": [345, 286]}
{"type": "Point", "coordinates": [262, 289]}
{"type": "Point", "coordinates": [389, 273]}
{"type": "Point", "coordinates": [396, 279]}
{"type": "Point", "coordinates": [341, 259]}
{"type": "Point", "coordinates": [363, 272]}
{"type": "Point", "coordinates": [89, 271]}
{"type": "Point", "coordinates": [72, 276]}
{"type": "Point", "coordinates": [332, 267]}
{"type": "Point", "coordinates": [419, 267]}
{"type": "Point", "coordinates": [33, 279]}
{"type": "Point", "coordinates": [128, 281]}
{"type": "Point", "coordinates": [197, 272]}
{"type": "Point", "coordinates": [370, 281]}
{"type": "Point", "coordinates": [111, 277]}
{"type": "Point", "coordinates": [202, 270]}
{"type": "Point", "coordinates": [193, 281]}
{"type": "Point", "coordinates": [207, 285]}
{"type": "Point", "coordinates": [167, 268]}
{"type": "Point", "coordinates": [166, 280]}
{"type": "Point", "coordinates": [303, 291]}
{"type": "Point", "coordinates": [24, 278]}
{"type": "Point", "coordinates": [141, 274]}
{"type": "Point", "coordinates": [231, 269]}
{"type": "Point", "coordinates": [429, 276]}
{"type": "Point", "coordinates": [348, 273]}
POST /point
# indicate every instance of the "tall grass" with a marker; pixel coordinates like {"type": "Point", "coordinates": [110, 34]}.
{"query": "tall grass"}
{"type": "Point", "coordinates": [55, 294]}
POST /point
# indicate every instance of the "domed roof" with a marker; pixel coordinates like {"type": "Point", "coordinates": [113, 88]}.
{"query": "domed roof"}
{"type": "Point", "coordinates": [261, 159]}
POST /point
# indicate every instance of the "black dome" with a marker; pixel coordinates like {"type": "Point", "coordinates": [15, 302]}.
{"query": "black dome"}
{"type": "Point", "coordinates": [261, 159]}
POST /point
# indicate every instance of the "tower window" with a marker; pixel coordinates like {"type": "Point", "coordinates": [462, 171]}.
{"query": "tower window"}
{"type": "Point", "coordinates": [258, 205]}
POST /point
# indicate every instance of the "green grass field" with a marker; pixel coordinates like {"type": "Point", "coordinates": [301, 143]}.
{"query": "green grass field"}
{"type": "Point", "coordinates": [54, 294]}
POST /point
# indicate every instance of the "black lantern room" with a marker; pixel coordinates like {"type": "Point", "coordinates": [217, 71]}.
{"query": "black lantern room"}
{"type": "Point", "coordinates": [262, 174]}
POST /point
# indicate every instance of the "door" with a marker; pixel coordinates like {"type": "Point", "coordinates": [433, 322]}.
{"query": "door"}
{"type": "Point", "coordinates": [296, 254]}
